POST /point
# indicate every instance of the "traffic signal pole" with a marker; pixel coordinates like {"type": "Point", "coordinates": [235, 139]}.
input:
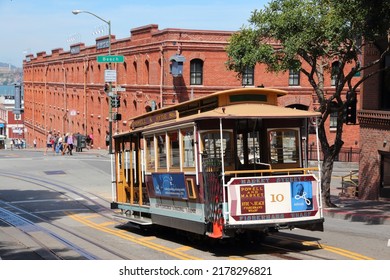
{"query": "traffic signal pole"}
{"type": "Point", "coordinates": [110, 83]}
{"type": "Point", "coordinates": [110, 93]}
{"type": "Point", "coordinates": [113, 181]}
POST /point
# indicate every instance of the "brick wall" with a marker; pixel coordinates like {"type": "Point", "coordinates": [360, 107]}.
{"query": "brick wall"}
{"type": "Point", "coordinates": [374, 131]}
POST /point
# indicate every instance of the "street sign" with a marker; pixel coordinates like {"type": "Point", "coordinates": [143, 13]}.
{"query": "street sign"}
{"type": "Point", "coordinates": [117, 89]}
{"type": "Point", "coordinates": [110, 75]}
{"type": "Point", "coordinates": [110, 58]}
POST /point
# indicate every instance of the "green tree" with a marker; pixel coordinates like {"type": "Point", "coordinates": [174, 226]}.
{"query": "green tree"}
{"type": "Point", "coordinates": [309, 36]}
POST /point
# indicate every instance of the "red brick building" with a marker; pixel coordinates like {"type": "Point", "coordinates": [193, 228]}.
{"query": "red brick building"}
{"type": "Point", "coordinates": [64, 90]}
{"type": "Point", "coordinates": [374, 118]}
{"type": "Point", "coordinates": [11, 123]}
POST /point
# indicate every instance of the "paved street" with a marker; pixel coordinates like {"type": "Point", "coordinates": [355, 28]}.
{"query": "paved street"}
{"type": "Point", "coordinates": [69, 196]}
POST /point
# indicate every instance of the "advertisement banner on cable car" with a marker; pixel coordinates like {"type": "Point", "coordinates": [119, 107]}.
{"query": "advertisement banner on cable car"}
{"type": "Point", "coordinates": [170, 185]}
{"type": "Point", "coordinates": [273, 199]}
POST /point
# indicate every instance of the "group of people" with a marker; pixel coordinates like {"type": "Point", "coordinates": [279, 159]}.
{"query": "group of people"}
{"type": "Point", "coordinates": [17, 143]}
{"type": "Point", "coordinates": [61, 144]}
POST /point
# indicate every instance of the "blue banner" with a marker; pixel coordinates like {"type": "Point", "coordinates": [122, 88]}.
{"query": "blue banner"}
{"type": "Point", "coordinates": [301, 196]}
{"type": "Point", "coordinates": [170, 185]}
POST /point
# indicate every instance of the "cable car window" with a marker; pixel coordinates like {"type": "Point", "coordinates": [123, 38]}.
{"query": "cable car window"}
{"type": "Point", "coordinates": [174, 150]}
{"type": "Point", "coordinates": [188, 146]}
{"type": "Point", "coordinates": [212, 146]}
{"type": "Point", "coordinates": [161, 151]}
{"type": "Point", "coordinates": [150, 155]}
{"type": "Point", "coordinates": [284, 145]}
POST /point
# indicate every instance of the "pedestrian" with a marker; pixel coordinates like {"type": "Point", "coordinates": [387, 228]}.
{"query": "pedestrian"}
{"type": "Point", "coordinates": [69, 142]}
{"type": "Point", "coordinates": [91, 141]}
{"type": "Point", "coordinates": [107, 140]}
{"type": "Point", "coordinates": [88, 142]}
{"type": "Point", "coordinates": [58, 143]}
{"type": "Point", "coordinates": [65, 143]}
{"type": "Point", "coordinates": [61, 143]}
{"type": "Point", "coordinates": [55, 141]}
{"type": "Point", "coordinates": [35, 143]}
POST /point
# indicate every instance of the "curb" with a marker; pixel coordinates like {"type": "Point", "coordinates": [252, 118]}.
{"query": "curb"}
{"type": "Point", "coordinates": [368, 216]}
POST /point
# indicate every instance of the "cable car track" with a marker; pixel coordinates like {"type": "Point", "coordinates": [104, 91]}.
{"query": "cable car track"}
{"type": "Point", "coordinates": [85, 201]}
{"type": "Point", "coordinates": [50, 185]}
{"type": "Point", "coordinates": [28, 228]}
{"type": "Point", "coordinates": [22, 219]}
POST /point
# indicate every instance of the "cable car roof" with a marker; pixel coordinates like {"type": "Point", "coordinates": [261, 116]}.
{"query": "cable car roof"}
{"type": "Point", "coordinates": [235, 111]}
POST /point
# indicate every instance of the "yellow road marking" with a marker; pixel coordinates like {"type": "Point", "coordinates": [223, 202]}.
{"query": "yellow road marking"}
{"type": "Point", "coordinates": [178, 252]}
{"type": "Point", "coordinates": [339, 251]}
{"type": "Point", "coordinates": [336, 250]}
{"type": "Point", "coordinates": [92, 216]}
{"type": "Point", "coordinates": [147, 238]}
{"type": "Point", "coordinates": [237, 258]}
{"type": "Point", "coordinates": [183, 248]}
{"type": "Point", "coordinates": [140, 241]}
{"type": "Point", "coordinates": [106, 224]}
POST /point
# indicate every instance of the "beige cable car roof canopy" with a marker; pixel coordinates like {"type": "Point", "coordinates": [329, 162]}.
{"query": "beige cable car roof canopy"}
{"type": "Point", "coordinates": [228, 104]}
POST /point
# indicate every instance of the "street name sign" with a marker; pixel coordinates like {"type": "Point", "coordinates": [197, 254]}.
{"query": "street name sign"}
{"type": "Point", "coordinates": [110, 58]}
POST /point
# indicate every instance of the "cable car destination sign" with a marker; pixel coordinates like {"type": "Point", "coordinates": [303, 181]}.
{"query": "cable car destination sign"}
{"type": "Point", "coordinates": [154, 118]}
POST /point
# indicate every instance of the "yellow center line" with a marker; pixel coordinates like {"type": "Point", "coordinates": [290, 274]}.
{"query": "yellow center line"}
{"type": "Point", "coordinates": [140, 241]}
{"type": "Point", "coordinates": [339, 251]}
{"type": "Point", "coordinates": [147, 238]}
{"type": "Point", "coordinates": [336, 250]}
{"type": "Point", "coordinates": [92, 216]}
{"type": "Point", "coordinates": [183, 248]}
{"type": "Point", "coordinates": [106, 224]}
{"type": "Point", "coordinates": [237, 258]}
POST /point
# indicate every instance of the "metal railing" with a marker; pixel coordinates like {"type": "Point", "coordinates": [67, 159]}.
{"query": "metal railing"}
{"type": "Point", "coordinates": [346, 154]}
{"type": "Point", "coordinates": [349, 184]}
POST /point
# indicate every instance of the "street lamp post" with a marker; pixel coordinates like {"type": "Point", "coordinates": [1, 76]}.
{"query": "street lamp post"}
{"type": "Point", "coordinates": [110, 83]}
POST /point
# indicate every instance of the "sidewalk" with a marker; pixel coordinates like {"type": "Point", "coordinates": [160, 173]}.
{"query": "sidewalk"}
{"type": "Point", "coordinates": [355, 210]}
{"type": "Point", "coordinates": [99, 152]}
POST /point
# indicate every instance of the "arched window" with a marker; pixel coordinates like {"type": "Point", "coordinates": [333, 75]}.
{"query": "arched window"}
{"type": "Point", "coordinates": [159, 67]}
{"type": "Point", "coordinates": [196, 72]}
{"type": "Point", "coordinates": [147, 72]}
{"type": "Point", "coordinates": [135, 72]}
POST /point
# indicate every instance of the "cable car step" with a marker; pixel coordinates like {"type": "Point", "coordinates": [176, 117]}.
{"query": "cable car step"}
{"type": "Point", "coordinates": [143, 221]}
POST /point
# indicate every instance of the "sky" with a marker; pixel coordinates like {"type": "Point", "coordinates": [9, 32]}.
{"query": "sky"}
{"type": "Point", "coordinates": [33, 26]}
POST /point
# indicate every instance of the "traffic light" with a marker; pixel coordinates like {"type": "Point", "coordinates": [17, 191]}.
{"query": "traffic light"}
{"type": "Point", "coordinates": [106, 88]}
{"type": "Point", "coordinates": [116, 117]}
{"type": "Point", "coordinates": [350, 110]}
{"type": "Point", "coordinates": [115, 101]}
{"type": "Point", "coordinates": [351, 113]}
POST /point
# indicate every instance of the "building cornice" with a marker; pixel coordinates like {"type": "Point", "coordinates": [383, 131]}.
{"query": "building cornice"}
{"type": "Point", "coordinates": [374, 119]}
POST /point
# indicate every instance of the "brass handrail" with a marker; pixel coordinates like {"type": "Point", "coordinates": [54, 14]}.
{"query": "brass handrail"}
{"type": "Point", "coordinates": [270, 170]}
